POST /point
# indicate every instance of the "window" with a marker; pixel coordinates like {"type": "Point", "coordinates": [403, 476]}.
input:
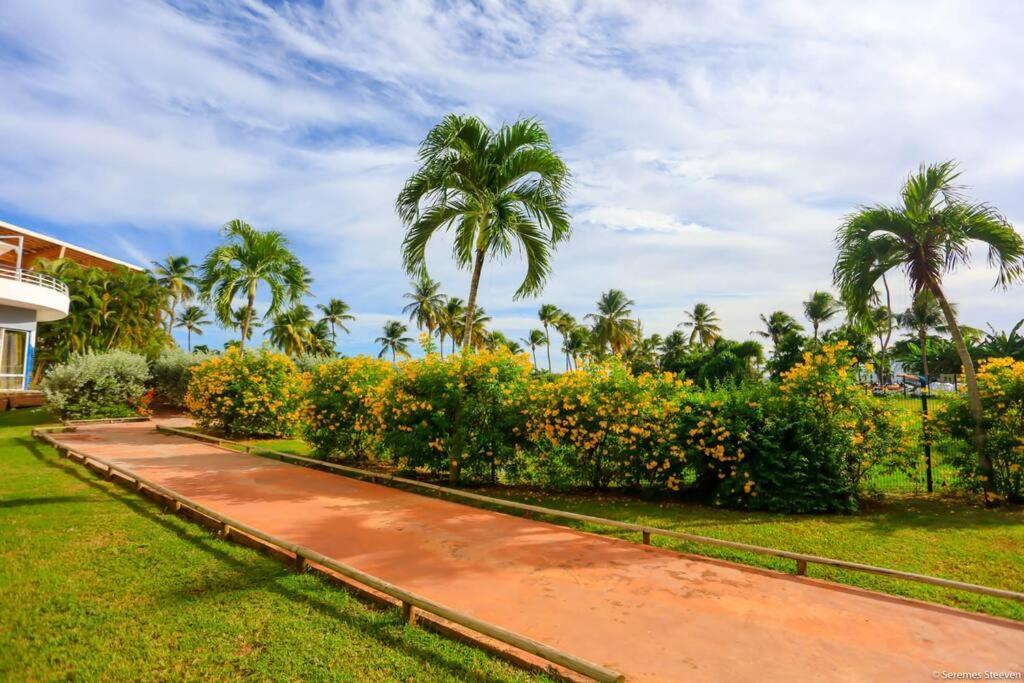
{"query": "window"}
{"type": "Point", "coordinates": [13, 348]}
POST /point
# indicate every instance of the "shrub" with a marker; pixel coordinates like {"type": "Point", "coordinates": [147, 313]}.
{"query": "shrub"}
{"type": "Point", "coordinates": [458, 414]}
{"type": "Point", "coordinates": [171, 373]}
{"type": "Point", "coordinates": [610, 426]}
{"type": "Point", "coordinates": [308, 362]}
{"type": "Point", "coordinates": [250, 393]}
{"type": "Point", "coordinates": [803, 445]}
{"type": "Point", "coordinates": [1001, 383]}
{"type": "Point", "coordinates": [342, 395]}
{"type": "Point", "coordinates": [97, 385]}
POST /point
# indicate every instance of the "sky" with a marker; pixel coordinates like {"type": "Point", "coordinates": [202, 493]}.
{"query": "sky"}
{"type": "Point", "coordinates": [715, 146]}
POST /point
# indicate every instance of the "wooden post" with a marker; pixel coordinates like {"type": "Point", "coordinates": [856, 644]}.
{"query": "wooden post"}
{"type": "Point", "coordinates": [647, 537]}
{"type": "Point", "coordinates": [801, 567]}
{"type": "Point", "coordinates": [301, 564]}
{"type": "Point", "coordinates": [225, 531]}
{"type": "Point", "coordinates": [408, 613]}
{"type": "Point", "coordinates": [176, 506]}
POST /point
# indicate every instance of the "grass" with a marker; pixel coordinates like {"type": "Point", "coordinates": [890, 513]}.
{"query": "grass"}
{"type": "Point", "coordinates": [97, 583]}
{"type": "Point", "coordinates": [940, 535]}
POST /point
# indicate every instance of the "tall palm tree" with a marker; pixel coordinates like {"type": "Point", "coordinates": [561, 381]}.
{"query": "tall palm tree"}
{"type": "Point", "coordinates": [321, 339]}
{"type": "Point", "coordinates": [496, 189]}
{"type": "Point", "coordinates": [237, 319]}
{"type": "Point", "coordinates": [923, 316]}
{"type": "Point", "coordinates": [449, 316]}
{"type": "Point", "coordinates": [929, 234]}
{"type": "Point", "coordinates": [476, 336]}
{"type": "Point", "coordinates": [820, 308]}
{"type": "Point", "coordinates": [575, 343]}
{"type": "Point", "coordinates": [177, 276]}
{"type": "Point", "coordinates": [394, 340]}
{"type": "Point", "coordinates": [613, 324]}
{"type": "Point", "coordinates": [879, 322]}
{"type": "Point", "coordinates": [336, 314]}
{"type": "Point", "coordinates": [247, 259]}
{"type": "Point", "coordinates": [703, 325]}
{"type": "Point", "coordinates": [549, 315]}
{"type": "Point", "coordinates": [290, 330]}
{"type": "Point", "coordinates": [426, 303]}
{"type": "Point", "coordinates": [777, 325]}
{"type": "Point", "coordinates": [565, 324]}
{"type": "Point", "coordinates": [533, 340]}
{"type": "Point", "coordinates": [193, 319]}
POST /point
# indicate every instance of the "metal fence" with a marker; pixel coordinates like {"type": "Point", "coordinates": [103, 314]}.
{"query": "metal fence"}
{"type": "Point", "coordinates": [938, 457]}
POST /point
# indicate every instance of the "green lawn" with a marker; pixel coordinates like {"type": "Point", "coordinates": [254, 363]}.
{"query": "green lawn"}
{"type": "Point", "coordinates": [97, 583]}
{"type": "Point", "coordinates": [940, 535]}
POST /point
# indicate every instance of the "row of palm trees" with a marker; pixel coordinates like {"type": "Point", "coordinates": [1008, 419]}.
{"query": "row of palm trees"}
{"type": "Point", "coordinates": [247, 260]}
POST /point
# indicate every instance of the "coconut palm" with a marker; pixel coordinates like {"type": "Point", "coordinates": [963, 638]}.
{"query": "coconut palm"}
{"type": "Point", "coordinates": [193, 319]}
{"type": "Point", "coordinates": [880, 322]}
{"type": "Point", "coordinates": [426, 303]}
{"type": "Point", "coordinates": [237, 319]}
{"type": "Point", "coordinates": [1005, 344]}
{"type": "Point", "coordinates": [613, 324]}
{"type": "Point", "coordinates": [335, 314]}
{"type": "Point", "coordinates": [574, 345]}
{"type": "Point", "coordinates": [820, 308]}
{"type": "Point", "coordinates": [703, 325]}
{"type": "Point", "coordinates": [394, 340]}
{"type": "Point", "coordinates": [247, 259]}
{"type": "Point", "coordinates": [549, 315]}
{"type": "Point", "coordinates": [923, 316]}
{"type": "Point", "coordinates": [496, 189]}
{"type": "Point", "coordinates": [290, 330]}
{"type": "Point", "coordinates": [929, 234]}
{"type": "Point", "coordinates": [177, 276]}
{"type": "Point", "coordinates": [321, 339]}
{"type": "Point", "coordinates": [565, 324]}
{"type": "Point", "coordinates": [533, 340]}
{"type": "Point", "coordinates": [449, 318]}
{"type": "Point", "coordinates": [777, 325]}
{"type": "Point", "coordinates": [477, 334]}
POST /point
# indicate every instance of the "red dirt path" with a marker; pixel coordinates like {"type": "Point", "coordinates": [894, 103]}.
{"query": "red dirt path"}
{"type": "Point", "coordinates": [650, 613]}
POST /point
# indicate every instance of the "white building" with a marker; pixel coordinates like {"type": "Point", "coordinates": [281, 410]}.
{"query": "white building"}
{"type": "Point", "coordinates": [28, 298]}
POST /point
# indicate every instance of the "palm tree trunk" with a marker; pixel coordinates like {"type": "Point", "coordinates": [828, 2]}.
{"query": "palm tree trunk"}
{"type": "Point", "coordinates": [888, 334]}
{"type": "Point", "coordinates": [474, 284]}
{"type": "Point", "coordinates": [247, 320]}
{"type": "Point", "coordinates": [189, 339]}
{"type": "Point", "coordinates": [547, 335]}
{"type": "Point", "coordinates": [973, 394]}
{"type": "Point", "coordinates": [441, 345]}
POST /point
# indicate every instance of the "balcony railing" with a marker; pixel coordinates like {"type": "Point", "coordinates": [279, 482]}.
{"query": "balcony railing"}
{"type": "Point", "coordinates": [33, 278]}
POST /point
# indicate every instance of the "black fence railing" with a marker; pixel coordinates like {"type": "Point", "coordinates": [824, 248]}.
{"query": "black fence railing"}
{"type": "Point", "coordinates": [935, 463]}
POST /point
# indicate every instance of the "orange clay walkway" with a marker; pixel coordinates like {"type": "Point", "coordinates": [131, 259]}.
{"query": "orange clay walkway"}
{"type": "Point", "coordinates": [650, 613]}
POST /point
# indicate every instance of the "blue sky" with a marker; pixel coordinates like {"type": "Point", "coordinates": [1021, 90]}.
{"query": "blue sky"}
{"type": "Point", "coordinates": [715, 145]}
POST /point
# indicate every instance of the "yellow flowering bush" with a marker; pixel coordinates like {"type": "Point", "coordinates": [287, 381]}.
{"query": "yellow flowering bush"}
{"type": "Point", "coordinates": [610, 426]}
{"type": "Point", "coordinates": [251, 393]}
{"type": "Point", "coordinates": [460, 414]}
{"type": "Point", "coordinates": [343, 399]}
{"type": "Point", "coordinates": [1001, 384]}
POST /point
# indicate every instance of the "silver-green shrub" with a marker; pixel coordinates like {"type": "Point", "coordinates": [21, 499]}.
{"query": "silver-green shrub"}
{"type": "Point", "coordinates": [95, 385]}
{"type": "Point", "coordinates": [172, 371]}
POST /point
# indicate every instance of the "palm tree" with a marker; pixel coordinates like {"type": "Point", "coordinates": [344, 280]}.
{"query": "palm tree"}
{"type": "Point", "coordinates": [193, 319]}
{"type": "Point", "coordinates": [879, 322]}
{"type": "Point", "coordinates": [449, 316]}
{"type": "Point", "coordinates": [177, 276]}
{"type": "Point", "coordinates": [575, 343]}
{"type": "Point", "coordinates": [477, 335]}
{"type": "Point", "coordinates": [777, 325]}
{"type": "Point", "coordinates": [496, 189]}
{"type": "Point", "coordinates": [929, 235]}
{"type": "Point", "coordinates": [820, 308]}
{"type": "Point", "coordinates": [535, 339]}
{"type": "Point", "coordinates": [321, 339]}
{"type": "Point", "coordinates": [1005, 344]}
{"type": "Point", "coordinates": [703, 325]}
{"type": "Point", "coordinates": [923, 316]}
{"type": "Point", "coordinates": [394, 340]}
{"type": "Point", "coordinates": [247, 259]}
{"type": "Point", "coordinates": [237, 319]}
{"type": "Point", "coordinates": [549, 315]}
{"type": "Point", "coordinates": [565, 324]}
{"type": "Point", "coordinates": [427, 302]}
{"type": "Point", "coordinates": [290, 330]}
{"type": "Point", "coordinates": [336, 314]}
{"type": "Point", "coordinates": [613, 323]}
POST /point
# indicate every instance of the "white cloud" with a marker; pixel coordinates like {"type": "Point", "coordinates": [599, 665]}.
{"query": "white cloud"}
{"type": "Point", "coordinates": [714, 145]}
